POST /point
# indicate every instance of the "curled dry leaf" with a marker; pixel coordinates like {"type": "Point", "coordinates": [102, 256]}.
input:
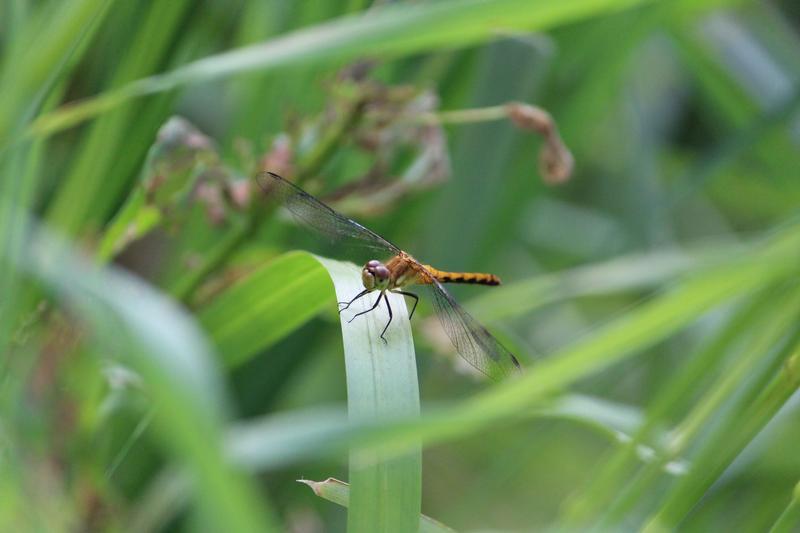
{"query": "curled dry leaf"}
{"type": "Point", "coordinates": [555, 160]}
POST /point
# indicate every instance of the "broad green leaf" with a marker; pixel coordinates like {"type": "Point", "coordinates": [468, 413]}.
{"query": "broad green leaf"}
{"type": "Point", "coordinates": [267, 305]}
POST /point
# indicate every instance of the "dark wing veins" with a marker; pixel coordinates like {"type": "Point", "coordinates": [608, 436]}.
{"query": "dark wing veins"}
{"type": "Point", "coordinates": [472, 341]}
{"type": "Point", "coordinates": [313, 214]}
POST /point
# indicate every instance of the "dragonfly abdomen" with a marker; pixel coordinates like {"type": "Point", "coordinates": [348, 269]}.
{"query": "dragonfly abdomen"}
{"type": "Point", "coordinates": [475, 278]}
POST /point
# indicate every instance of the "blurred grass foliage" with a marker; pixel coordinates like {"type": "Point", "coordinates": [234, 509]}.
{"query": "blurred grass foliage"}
{"type": "Point", "coordinates": [170, 359]}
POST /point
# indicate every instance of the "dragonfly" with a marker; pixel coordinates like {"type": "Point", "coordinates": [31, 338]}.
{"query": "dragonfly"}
{"type": "Point", "coordinates": [395, 273]}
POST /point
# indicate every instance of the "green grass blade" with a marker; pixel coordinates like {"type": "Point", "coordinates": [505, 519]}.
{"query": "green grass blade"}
{"type": "Point", "coordinates": [633, 272]}
{"type": "Point", "coordinates": [277, 440]}
{"type": "Point", "coordinates": [338, 492]}
{"type": "Point", "coordinates": [165, 347]}
{"type": "Point", "coordinates": [734, 407]}
{"type": "Point", "coordinates": [660, 319]}
{"type": "Point", "coordinates": [650, 323]}
{"type": "Point", "coordinates": [621, 339]}
{"type": "Point", "coordinates": [31, 68]}
{"type": "Point", "coordinates": [737, 427]}
{"type": "Point", "coordinates": [266, 306]}
{"type": "Point", "coordinates": [166, 497]}
{"type": "Point", "coordinates": [97, 176]}
{"type": "Point", "coordinates": [392, 31]}
{"type": "Point", "coordinates": [381, 383]}
{"type": "Point", "coordinates": [37, 55]}
{"type": "Point", "coordinates": [667, 404]}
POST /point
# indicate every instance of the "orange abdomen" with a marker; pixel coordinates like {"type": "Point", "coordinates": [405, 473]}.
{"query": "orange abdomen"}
{"type": "Point", "coordinates": [476, 278]}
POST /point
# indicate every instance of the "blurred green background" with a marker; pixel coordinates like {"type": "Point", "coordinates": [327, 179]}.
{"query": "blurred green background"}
{"type": "Point", "coordinates": [169, 364]}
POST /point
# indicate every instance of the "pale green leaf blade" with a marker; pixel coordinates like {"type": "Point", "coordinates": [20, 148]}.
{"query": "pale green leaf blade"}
{"type": "Point", "coordinates": [381, 383]}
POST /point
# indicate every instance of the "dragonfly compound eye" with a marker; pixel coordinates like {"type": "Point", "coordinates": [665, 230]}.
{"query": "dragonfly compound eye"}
{"type": "Point", "coordinates": [375, 275]}
{"type": "Point", "coordinates": [381, 272]}
{"type": "Point", "coordinates": [367, 279]}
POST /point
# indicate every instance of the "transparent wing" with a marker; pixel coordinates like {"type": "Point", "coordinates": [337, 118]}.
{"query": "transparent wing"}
{"type": "Point", "coordinates": [317, 216]}
{"type": "Point", "coordinates": [472, 341]}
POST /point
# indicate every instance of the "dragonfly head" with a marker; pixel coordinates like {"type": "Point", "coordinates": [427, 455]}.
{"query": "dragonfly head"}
{"type": "Point", "coordinates": [375, 276]}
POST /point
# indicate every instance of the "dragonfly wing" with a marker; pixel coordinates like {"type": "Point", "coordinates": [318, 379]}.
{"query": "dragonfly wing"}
{"type": "Point", "coordinates": [472, 341]}
{"type": "Point", "coordinates": [312, 213]}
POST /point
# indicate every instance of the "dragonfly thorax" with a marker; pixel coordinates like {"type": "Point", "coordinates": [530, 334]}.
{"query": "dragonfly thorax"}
{"type": "Point", "coordinates": [375, 276]}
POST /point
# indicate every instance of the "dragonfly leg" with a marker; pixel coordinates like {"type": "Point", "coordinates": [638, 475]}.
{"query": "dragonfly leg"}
{"type": "Point", "coordinates": [412, 295]}
{"type": "Point", "coordinates": [389, 307]}
{"type": "Point", "coordinates": [381, 295]}
{"type": "Point", "coordinates": [347, 304]}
